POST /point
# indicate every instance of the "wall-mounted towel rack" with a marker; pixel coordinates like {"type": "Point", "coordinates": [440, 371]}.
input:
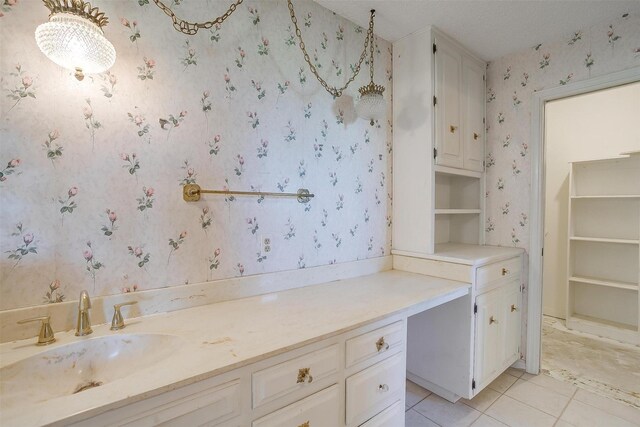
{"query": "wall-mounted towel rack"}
{"type": "Point", "coordinates": [192, 193]}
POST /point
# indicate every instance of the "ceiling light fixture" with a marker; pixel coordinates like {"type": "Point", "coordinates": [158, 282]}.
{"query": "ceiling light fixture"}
{"type": "Point", "coordinates": [73, 37]}
{"type": "Point", "coordinates": [371, 105]}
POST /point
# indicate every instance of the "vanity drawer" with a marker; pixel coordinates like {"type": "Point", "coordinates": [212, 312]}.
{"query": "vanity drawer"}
{"type": "Point", "coordinates": [393, 416]}
{"type": "Point", "coordinates": [318, 410]}
{"type": "Point", "coordinates": [508, 269]}
{"type": "Point", "coordinates": [376, 342]}
{"type": "Point", "coordinates": [197, 404]}
{"type": "Point", "coordinates": [287, 377]}
{"type": "Point", "coordinates": [371, 390]}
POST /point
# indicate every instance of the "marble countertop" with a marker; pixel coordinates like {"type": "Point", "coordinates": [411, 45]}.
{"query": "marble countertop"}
{"type": "Point", "coordinates": [221, 337]}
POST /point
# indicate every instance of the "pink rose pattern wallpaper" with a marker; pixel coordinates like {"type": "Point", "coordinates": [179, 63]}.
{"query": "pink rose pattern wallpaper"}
{"type": "Point", "coordinates": [511, 81]}
{"type": "Point", "coordinates": [91, 172]}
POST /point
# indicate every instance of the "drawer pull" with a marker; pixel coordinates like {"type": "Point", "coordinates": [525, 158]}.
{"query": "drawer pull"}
{"type": "Point", "coordinates": [381, 344]}
{"type": "Point", "coordinates": [453, 128]}
{"type": "Point", "coordinates": [504, 271]}
{"type": "Point", "coordinates": [383, 387]}
{"type": "Point", "coordinates": [304, 374]}
{"type": "Point", "coordinates": [305, 424]}
{"type": "Point", "coordinates": [475, 136]}
{"type": "Point", "coordinates": [513, 308]}
{"type": "Point", "coordinates": [492, 320]}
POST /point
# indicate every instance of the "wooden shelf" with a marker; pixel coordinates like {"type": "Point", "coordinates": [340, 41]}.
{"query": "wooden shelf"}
{"type": "Point", "coordinates": [456, 211]}
{"type": "Point", "coordinates": [603, 282]}
{"type": "Point", "coordinates": [605, 240]}
{"type": "Point", "coordinates": [609, 196]}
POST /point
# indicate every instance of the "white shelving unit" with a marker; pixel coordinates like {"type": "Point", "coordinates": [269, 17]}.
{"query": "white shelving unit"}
{"type": "Point", "coordinates": [604, 248]}
{"type": "Point", "coordinates": [438, 139]}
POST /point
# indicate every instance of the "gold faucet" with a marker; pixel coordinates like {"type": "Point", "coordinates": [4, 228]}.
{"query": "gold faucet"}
{"type": "Point", "coordinates": [117, 322]}
{"type": "Point", "coordinates": [84, 323]}
{"type": "Point", "coordinates": [46, 333]}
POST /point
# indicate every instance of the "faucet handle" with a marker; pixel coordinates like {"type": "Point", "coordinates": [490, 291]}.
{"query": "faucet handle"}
{"type": "Point", "coordinates": [46, 333]}
{"type": "Point", "coordinates": [118, 322]}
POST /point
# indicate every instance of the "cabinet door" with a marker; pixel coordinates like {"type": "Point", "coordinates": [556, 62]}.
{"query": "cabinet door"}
{"type": "Point", "coordinates": [448, 65]}
{"type": "Point", "coordinates": [473, 127]}
{"type": "Point", "coordinates": [489, 352]}
{"type": "Point", "coordinates": [513, 318]}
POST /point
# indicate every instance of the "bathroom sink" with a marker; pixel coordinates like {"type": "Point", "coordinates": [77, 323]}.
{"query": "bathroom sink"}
{"type": "Point", "coordinates": [82, 365]}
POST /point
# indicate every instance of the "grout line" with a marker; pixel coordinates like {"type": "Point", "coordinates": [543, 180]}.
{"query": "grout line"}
{"type": "Point", "coordinates": [566, 406]}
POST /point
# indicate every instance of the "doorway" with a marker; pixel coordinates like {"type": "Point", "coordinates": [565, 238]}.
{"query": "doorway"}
{"type": "Point", "coordinates": [534, 294]}
{"type": "Point", "coordinates": [585, 237]}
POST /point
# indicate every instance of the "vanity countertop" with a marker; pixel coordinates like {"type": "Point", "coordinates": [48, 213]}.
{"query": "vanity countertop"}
{"type": "Point", "coordinates": [220, 337]}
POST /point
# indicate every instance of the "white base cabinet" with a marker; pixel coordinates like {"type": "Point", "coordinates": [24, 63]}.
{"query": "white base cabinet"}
{"type": "Point", "coordinates": [353, 379]}
{"type": "Point", "coordinates": [457, 349]}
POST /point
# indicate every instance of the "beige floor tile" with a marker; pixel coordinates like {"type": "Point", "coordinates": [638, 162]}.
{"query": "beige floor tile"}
{"type": "Point", "coordinates": [487, 421]}
{"type": "Point", "coordinates": [538, 397]}
{"type": "Point", "coordinates": [515, 372]}
{"type": "Point", "coordinates": [503, 382]}
{"type": "Point", "coordinates": [582, 415]}
{"type": "Point", "coordinates": [415, 394]}
{"type": "Point", "coordinates": [546, 381]}
{"type": "Point", "coordinates": [514, 413]}
{"type": "Point", "coordinates": [482, 400]}
{"type": "Point", "coordinates": [445, 413]}
{"type": "Point", "coordinates": [608, 405]}
{"type": "Point", "coordinates": [414, 419]}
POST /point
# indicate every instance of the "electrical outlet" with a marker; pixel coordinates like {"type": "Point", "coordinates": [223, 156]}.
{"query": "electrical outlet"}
{"type": "Point", "coordinates": [266, 244]}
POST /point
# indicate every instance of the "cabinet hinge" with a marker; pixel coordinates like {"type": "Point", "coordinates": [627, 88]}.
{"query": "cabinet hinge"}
{"type": "Point", "coordinates": [475, 308]}
{"type": "Point", "coordinates": [435, 101]}
{"type": "Point", "coordinates": [435, 153]}
{"type": "Point", "coordinates": [435, 48]}
{"type": "Point", "coordinates": [484, 164]}
{"type": "Point", "coordinates": [542, 252]}
{"type": "Point", "coordinates": [483, 122]}
{"type": "Point", "coordinates": [473, 384]}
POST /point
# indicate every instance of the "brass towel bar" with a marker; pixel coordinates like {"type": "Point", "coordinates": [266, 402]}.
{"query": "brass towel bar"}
{"type": "Point", "coordinates": [192, 193]}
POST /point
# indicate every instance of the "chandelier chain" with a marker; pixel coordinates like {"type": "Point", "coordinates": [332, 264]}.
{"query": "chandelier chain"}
{"type": "Point", "coordinates": [368, 42]}
{"type": "Point", "coordinates": [191, 28]}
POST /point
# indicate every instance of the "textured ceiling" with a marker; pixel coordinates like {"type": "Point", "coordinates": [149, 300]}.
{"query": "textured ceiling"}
{"type": "Point", "coordinates": [490, 28]}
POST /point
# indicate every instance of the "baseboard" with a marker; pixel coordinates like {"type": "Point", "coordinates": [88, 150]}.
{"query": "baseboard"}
{"type": "Point", "coordinates": [445, 394]}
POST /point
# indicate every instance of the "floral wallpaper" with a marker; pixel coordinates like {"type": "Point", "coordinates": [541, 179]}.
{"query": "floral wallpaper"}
{"type": "Point", "coordinates": [91, 172]}
{"type": "Point", "coordinates": [613, 45]}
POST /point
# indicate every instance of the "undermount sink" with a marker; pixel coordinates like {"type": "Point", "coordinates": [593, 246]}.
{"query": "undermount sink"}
{"type": "Point", "coordinates": [82, 365]}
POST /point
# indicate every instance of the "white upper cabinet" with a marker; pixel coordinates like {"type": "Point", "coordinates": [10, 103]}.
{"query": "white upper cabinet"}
{"type": "Point", "coordinates": [438, 144]}
{"type": "Point", "coordinates": [473, 116]}
{"type": "Point", "coordinates": [448, 114]}
{"type": "Point", "coordinates": [459, 113]}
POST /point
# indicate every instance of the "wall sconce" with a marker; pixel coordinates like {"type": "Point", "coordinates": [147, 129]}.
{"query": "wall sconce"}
{"type": "Point", "coordinates": [73, 37]}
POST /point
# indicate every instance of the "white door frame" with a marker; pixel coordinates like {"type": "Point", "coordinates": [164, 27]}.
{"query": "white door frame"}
{"type": "Point", "coordinates": [534, 305]}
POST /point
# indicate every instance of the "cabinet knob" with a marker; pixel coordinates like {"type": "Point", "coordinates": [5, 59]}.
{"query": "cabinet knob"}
{"type": "Point", "coordinates": [475, 136]}
{"type": "Point", "coordinates": [381, 344]}
{"type": "Point", "coordinates": [513, 308]}
{"type": "Point", "coordinates": [304, 374]}
{"type": "Point", "coordinates": [383, 387]}
{"type": "Point", "coordinates": [492, 320]}
{"type": "Point", "coordinates": [504, 271]}
{"type": "Point", "coordinates": [305, 424]}
{"type": "Point", "coordinates": [452, 128]}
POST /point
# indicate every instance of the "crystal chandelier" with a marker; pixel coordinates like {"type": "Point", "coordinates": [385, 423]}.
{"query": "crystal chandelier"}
{"type": "Point", "coordinates": [73, 37]}
{"type": "Point", "coordinates": [371, 105]}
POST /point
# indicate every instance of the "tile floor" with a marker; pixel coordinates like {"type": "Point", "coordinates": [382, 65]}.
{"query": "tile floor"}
{"type": "Point", "coordinates": [517, 399]}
